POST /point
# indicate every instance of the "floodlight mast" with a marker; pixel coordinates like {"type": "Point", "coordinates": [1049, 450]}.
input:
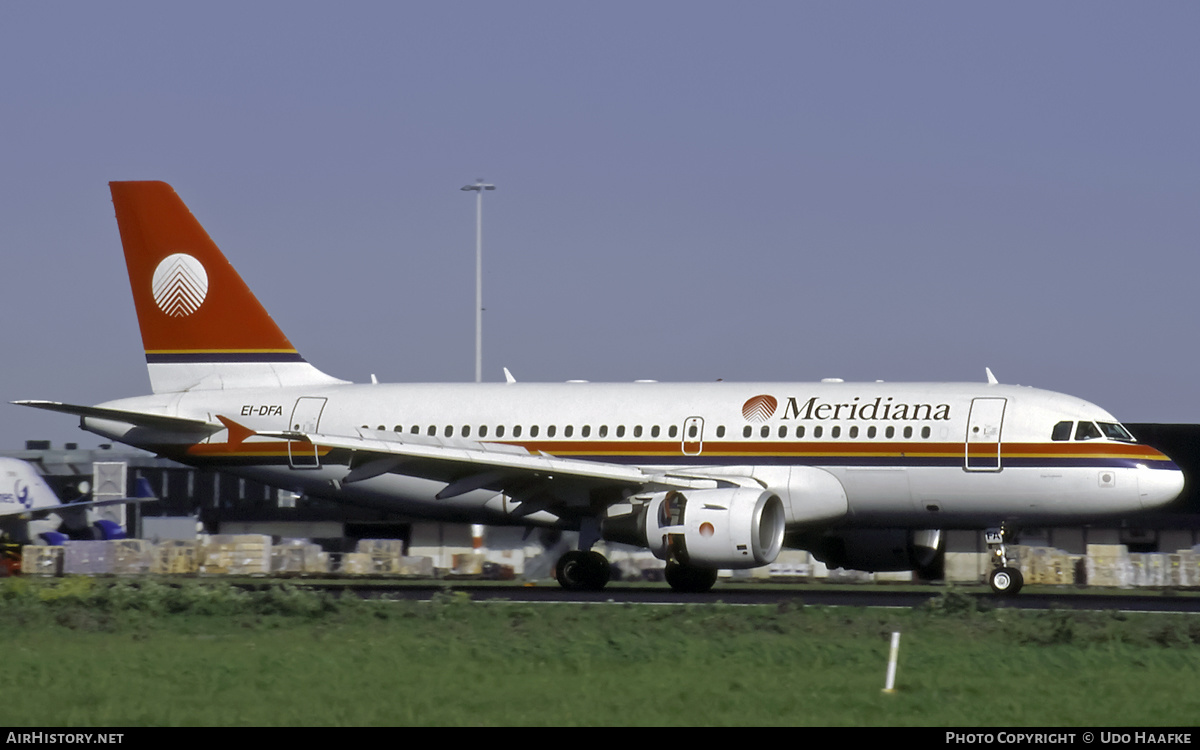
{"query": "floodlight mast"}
{"type": "Point", "coordinates": [479, 187]}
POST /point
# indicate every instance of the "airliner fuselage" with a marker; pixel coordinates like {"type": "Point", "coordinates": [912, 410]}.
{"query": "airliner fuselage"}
{"type": "Point", "coordinates": [896, 455]}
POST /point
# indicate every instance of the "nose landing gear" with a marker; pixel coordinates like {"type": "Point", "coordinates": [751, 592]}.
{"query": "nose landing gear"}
{"type": "Point", "coordinates": [1005, 578]}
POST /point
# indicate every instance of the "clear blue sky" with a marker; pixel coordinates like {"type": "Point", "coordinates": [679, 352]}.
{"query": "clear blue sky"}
{"type": "Point", "coordinates": [686, 190]}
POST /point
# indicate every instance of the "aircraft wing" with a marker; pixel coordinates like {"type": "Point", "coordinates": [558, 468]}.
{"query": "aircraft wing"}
{"type": "Point", "coordinates": [83, 505]}
{"type": "Point", "coordinates": [467, 465]}
{"type": "Point", "coordinates": [144, 495]}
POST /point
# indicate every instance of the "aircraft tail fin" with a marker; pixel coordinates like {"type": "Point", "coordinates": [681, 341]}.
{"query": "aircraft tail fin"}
{"type": "Point", "coordinates": [141, 489]}
{"type": "Point", "coordinates": [202, 327]}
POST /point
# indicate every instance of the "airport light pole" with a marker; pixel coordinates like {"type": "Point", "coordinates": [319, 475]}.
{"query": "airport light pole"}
{"type": "Point", "coordinates": [479, 187]}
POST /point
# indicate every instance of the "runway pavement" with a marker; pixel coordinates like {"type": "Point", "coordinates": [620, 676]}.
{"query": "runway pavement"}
{"type": "Point", "coordinates": [858, 596]}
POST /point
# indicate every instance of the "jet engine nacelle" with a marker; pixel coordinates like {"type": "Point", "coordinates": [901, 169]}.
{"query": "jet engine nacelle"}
{"type": "Point", "coordinates": [107, 530]}
{"type": "Point", "coordinates": [874, 550]}
{"type": "Point", "coordinates": [100, 531]}
{"type": "Point", "coordinates": [720, 528]}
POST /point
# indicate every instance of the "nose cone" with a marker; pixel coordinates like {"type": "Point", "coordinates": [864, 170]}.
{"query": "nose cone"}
{"type": "Point", "coordinates": [1159, 486]}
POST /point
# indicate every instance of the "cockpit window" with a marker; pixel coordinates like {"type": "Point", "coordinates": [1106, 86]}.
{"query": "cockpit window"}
{"type": "Point", "coordinates": [1062, 431]}
{"type": "Point", "coordinates": [1114, 431]}
{"type": "Point", "coordinates": [1087, 431]}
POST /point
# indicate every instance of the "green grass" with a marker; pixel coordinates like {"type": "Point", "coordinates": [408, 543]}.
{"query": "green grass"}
{"type": "Point", "coordinates": [82, 652]}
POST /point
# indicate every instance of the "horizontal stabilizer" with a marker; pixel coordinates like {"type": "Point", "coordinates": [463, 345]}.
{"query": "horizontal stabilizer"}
{"type": "Point", "coordinates": [153, 421]}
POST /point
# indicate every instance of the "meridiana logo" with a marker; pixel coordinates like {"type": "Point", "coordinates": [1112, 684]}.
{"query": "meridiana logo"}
{"type": "Point", "coordinates": [180, 285]}
{"type": "Point", "coordinates": [759, 408]}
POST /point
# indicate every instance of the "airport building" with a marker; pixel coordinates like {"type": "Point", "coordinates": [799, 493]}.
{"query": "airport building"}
{"type": "Point", "coordinates": [192, 501]}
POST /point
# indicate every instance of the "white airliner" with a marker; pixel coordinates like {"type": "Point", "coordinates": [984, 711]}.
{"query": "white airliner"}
{"type": "Point", "coordinates": [707, 476]}
{"type": "Point", "coordinates": [31, 511]}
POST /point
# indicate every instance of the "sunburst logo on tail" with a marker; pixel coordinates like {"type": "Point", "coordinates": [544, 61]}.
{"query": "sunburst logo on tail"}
{"type": "Point", "coordinates": [180, 285]}
{"type": "Point", "coordinates": [759, 408]}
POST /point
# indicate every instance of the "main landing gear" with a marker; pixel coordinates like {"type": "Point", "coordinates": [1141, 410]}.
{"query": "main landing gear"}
{"type": "Point", "coordinates": [1005, 579]}
{"type": "Point", "coordinates": [580, 570]}
{"type": "Point", "coordinates": [584, 569]}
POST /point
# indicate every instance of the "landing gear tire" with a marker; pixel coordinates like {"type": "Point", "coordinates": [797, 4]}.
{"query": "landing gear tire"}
{"type": "Point", "coordinates": [582, 571]}
{"type": "Point", "coordinates": [1006, 581]}
{"type": "Point", "coordinates": [690, 580]}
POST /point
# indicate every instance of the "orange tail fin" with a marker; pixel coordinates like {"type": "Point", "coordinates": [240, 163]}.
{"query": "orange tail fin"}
{"type": "Point", "coordinates": [202, 327]}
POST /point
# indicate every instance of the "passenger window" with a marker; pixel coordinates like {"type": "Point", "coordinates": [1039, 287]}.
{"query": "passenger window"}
{"type": "Point", "coordinates": [721, 431]}
{"type": "Point", "coordinates": [746, 431]}
{"type": "Point", "coordinates": [586, 431]}
{"type": "Point", "coordinates": [692, 431]}
{"type": "Point", "coordinates": [654, 431]}
{"type": "Point", "coordinates": [672, 431]}
{"type": "Point", "coordinates": [782, 431]}
{"type": "Point", "coordinates": [1062, 431]}
{"type": "Point", "coordinates": [568, 431]}
{"type": "Point", "coordinates": [551, 430]}
{"type": "Point", "coordinates": [890, 432]}
{"type": "Point", "coordinates": [517, 431]}
{"type": "Point", "coordinates": [482, 431]}
{"type": "Point", "coordinates": [924, 432]}
{"type": "Point", "coordinates": [499, 430]}
{"type": "Point", "coordinates": [871, 431]}
{"type": "Point", "coordinates": [466, 431]}
{"type": "Point", "coordinates": [907, 432]}
{"type": "Point", "coordinates": [431, 431]}
{"type": "Point", "coordinates": [800, 431]}
{"type": "Point", "coordinates": [854, 431]}
{"type": "Point", "coordinates": [637, 431]}
{"type": "Point", "coordinates": [818, 431]}
{"type": "Point", "coordinates": [533, 431]}
{"type": "Point", "coordinates": [620, 430]}
{"type": "Point", "coordinates": [766, 431]}
{"type": "Point", "coordinates": [836, 431]}
{"type": "Point", "coordinates": [449, 431]}
{"type": "Point", "coordinates": [1086, 431]}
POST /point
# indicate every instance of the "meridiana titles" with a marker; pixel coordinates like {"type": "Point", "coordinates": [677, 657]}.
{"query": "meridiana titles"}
{"type": "Point", "coordinates": [879, 408]}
